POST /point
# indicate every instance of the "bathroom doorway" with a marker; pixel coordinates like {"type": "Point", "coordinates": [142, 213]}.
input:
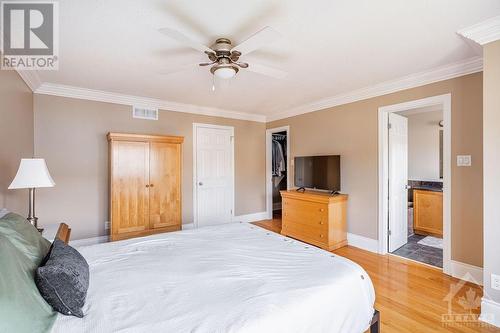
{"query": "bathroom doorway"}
{"type": "Point", "coordinates": [416, 184]}
{"type": "Point", "coordinates": [415, 179]}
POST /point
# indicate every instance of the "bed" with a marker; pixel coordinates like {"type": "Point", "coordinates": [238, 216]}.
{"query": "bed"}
{"type": "Point", "coordinates": [228, 278]}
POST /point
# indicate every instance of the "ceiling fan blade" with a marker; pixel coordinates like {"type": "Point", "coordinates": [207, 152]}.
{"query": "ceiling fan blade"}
{"type": "Point", "coordinates": [266, 70]}
{"type": "Point", "coordinates": [181, 38]}
{"type": "Point", "coordinates": [257, 40]}
{"type": "Point", "coordinates": [207, 63]}
{"type": "Point", "coordinates": [241, 64]}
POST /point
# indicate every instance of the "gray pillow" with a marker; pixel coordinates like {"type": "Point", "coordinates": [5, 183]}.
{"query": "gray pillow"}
{"type": "Point", "coordinates": [64, 279]}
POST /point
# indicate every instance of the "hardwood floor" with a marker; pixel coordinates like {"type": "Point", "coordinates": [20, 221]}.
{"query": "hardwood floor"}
{"type": "Point", "coordinates": [412, 297]}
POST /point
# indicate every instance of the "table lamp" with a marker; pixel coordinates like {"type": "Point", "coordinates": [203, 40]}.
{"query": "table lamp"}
{"type": "Point", "coordinates": [32, 174]}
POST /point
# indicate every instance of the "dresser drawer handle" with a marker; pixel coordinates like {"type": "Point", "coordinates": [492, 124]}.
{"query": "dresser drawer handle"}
{"type": "Point", "coordinates": [321, 236]}
{"type": "Point", "coordinates": [321, 222]}
{"type": "Point", "coordinates": [321, 209]}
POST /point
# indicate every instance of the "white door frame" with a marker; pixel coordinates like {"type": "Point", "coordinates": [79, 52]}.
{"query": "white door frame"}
{"type": "Point", "coordinates": [195, 188]}
{"type": "Point", "coordinates": [383, 177]}
{"type": "Point", "coordinates": [269, 160]}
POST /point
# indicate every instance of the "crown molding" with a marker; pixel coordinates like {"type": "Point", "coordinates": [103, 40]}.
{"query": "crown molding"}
{"type": "Point", "coordinates": [31, 78]}
{"type": "Point", "coordinates": [116, 98]}
{"type": "Point", "coordinates": [483, 32]}
{"type": "Point", "coordinates": [468, 66]}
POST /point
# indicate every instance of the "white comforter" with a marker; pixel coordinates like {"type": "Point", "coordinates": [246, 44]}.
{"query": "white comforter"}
{"type": "Point", "coordinates": [230, 278]}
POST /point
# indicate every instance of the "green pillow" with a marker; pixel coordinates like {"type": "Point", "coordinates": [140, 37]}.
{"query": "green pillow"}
{"type": "Point", "coordinates": [25, 237]}
{"type": "Point", "coordinates": [22, 308]}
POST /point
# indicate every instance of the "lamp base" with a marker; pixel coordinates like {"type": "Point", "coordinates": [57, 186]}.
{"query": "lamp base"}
{"type": "Point", "coordinates": [33, 220]}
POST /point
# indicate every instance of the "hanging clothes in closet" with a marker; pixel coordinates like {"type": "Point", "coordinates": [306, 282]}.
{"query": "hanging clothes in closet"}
{"type": "Point", "coordinates": [278, 158]}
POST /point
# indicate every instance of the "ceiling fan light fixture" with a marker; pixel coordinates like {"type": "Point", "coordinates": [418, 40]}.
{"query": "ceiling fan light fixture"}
{"type": "Point", "coordinates": [224, 71]}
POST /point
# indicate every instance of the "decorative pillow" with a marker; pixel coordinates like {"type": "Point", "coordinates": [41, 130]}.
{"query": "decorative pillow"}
{"type": "Point", "coordinates": [64, 280]}
{"type": "Point", "coordinates": [24, 236]}
{"type": "Point", "coordinates": [22, 308]}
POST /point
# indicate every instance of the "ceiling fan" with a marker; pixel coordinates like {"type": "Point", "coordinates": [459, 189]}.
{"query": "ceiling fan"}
{"type": "Point", "coordinates": [224, 58]}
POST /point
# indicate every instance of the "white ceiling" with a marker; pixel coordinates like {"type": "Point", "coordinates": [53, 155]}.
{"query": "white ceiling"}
{"type": "Point", "coordinates": [329, 47]}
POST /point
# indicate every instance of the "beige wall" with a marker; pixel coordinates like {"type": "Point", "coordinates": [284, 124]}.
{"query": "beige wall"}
{"type": "Point", "coordinates": [16, 136]}
{"type": "Point", "coordinates": [491, 167]}
{"type": "Point", "coordinates": [423, 145]}
{"type": "Point", "coordinates": [351, 131]}
{"type": "Point", "coordinates": [71, 135]}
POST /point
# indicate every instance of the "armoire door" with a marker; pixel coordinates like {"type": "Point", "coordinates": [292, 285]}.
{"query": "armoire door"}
{"type": "Point", "coordinates": [165, 185]}
{"type": "Point", "coordinates": [130, 187]}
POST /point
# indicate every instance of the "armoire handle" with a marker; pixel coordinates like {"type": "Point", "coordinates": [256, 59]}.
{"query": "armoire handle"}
{"type": "Point", "coordinates": [151, 185]}
{"type": "Point", "coordinates": [147, 185]}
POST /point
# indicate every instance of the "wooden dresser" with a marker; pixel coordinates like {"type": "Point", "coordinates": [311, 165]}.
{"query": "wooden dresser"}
{"type": "Point", "coordinates": [316, 218]}
{"type": "Point", "coordinates": [428, 212]}
{"type": "Point", "coordinates": [145, 184]}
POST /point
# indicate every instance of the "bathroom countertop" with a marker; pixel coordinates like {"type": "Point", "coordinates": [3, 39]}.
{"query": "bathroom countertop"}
{"type": "Point", "coordinates": [427, 188]}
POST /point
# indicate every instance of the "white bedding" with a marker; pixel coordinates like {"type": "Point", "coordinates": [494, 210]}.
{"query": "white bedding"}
{"type": "Point", "coordinates": [230, 278]}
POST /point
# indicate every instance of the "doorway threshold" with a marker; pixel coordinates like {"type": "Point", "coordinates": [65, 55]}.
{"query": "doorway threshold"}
{"type": "Point", "coordinates": [415, 251]}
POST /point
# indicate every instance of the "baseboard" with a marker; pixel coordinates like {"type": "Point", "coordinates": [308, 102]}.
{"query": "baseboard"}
{"type": "Point", "coordinates": [89, 241]}
{"type": "Point", "coordinates": [188, 226]}
{"type": "Point", "coordinates": [490, 312]}
{"type": "Point", "coordinates": [362, 242]}
{"type": "Point", "coordinates": [251, 217]}
{"type": "Point", "coordinates": [466, 272]}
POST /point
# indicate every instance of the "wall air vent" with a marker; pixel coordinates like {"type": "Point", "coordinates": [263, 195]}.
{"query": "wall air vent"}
{"type": "Point", "coordinates": [144, 113]}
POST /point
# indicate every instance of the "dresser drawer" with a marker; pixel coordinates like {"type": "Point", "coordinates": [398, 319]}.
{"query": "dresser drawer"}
{"type": "Point", "coordinates": [306, 212]}
{"type": "Point", "coordinates": [305, 233]}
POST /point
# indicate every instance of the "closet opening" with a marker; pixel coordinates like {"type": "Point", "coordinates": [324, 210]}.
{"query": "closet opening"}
{"type": "Point", "coordinates": [279, 170]}
{"type": "Point", "coordinates": [278, 165]}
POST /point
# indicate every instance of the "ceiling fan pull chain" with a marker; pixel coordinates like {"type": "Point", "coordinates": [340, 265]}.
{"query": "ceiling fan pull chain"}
{"type": "Point", "coordinates": [213, 83]}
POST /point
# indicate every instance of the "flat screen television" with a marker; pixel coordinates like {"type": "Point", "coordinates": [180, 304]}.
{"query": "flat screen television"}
{"type": "Point", "coordinates": [318, 172]}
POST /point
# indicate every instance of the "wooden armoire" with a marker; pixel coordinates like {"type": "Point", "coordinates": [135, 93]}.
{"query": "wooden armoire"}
{"type": "Point", "coordinates": [145, 184]}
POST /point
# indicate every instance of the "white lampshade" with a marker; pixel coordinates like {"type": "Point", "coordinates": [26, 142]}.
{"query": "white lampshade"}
{"type": "Point", "coordinates": [32, 173]}
{"type": "Point", "coordinates": [225, 72]}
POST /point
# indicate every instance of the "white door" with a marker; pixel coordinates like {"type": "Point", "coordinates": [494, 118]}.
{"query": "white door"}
{"type": "Point", "coordinates": [398, 181]}
{"type": "Point", "coordinates": [214, 174]}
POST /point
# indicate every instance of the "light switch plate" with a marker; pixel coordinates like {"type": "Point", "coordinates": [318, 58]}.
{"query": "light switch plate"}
{"type": "Point", "coordinates": [107, 225]}
{"type": "Point", "coordinates": [495, 281]}
{"type": "Point", "coordinates": [464, 160]}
